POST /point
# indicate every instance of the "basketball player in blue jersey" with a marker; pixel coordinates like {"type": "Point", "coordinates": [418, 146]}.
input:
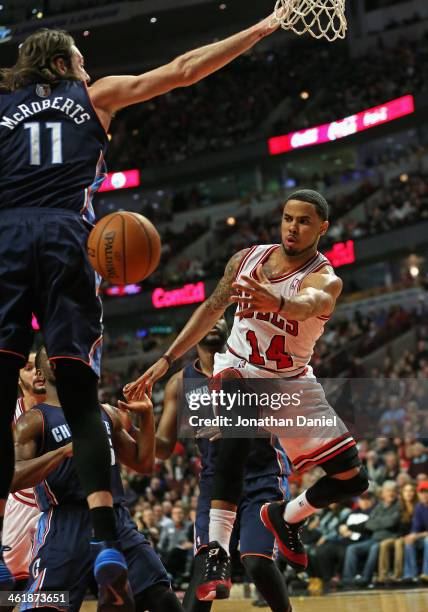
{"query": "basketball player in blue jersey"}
{"type": "Point", "coordinates": [53, 136]}
{"type": "Point", "coordinates": [265, 480]}
{"type": "Point", "coordinates": [285, 294]}
{"type": "Point", "coordinates": [61, 557]}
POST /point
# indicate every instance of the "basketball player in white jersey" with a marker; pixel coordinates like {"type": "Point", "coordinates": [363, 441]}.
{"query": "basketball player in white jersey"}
{"type": "Point", "coordinates": [285, 294]}
{"type": "Point", "coordinates": [22, 513]}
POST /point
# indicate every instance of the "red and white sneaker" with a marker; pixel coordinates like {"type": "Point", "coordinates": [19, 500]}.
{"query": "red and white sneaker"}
{"type": "Point", "coordinates": [216, 581]}
{"type": "Point", "coordinates": [286, 534]}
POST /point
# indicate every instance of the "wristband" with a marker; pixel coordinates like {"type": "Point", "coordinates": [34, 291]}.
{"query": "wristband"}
{"type": "Point", "coordinates": [281, 304]}
{"type": "Point", "coordinates": [168, 359]}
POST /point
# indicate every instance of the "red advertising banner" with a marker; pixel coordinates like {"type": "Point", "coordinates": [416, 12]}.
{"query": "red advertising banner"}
{"type": "Point", "coordinates": [344, 127]}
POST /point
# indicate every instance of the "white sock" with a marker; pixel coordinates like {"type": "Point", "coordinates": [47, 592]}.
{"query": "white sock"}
{"type": "Point", "coordinates": [221, 525]}
{"type": "Point", "coordinates": [298, 509]}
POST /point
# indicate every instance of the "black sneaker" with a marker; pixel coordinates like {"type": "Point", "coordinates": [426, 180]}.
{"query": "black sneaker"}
{"type": "Point", "coordinates": [287, 534]}
{"type": "Point", "coordinates": [216, 582]}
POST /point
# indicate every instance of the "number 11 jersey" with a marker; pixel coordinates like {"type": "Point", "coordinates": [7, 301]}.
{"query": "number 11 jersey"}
{"type": "Point", "coordinates": [268, 340]}
{"type": "Point", "coordinates": [52, 148]}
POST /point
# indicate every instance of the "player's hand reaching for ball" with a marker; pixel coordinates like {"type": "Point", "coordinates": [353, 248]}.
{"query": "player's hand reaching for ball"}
{"type": "Point", "coordinates": [256, 296]}
{"type": "Point", "coordinates": [136, 390]}
{"type": "Point", "coordinates": [140, 406]}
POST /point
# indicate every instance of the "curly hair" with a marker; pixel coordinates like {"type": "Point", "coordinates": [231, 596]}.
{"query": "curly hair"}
{"type": "Point", "coordinates": [36, 60]}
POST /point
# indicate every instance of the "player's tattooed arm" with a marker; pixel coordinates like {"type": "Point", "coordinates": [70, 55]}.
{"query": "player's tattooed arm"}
{"type": "Point", "coordinates": [136, 448]}
{"type": "Point", "coordinates": [200, 323]}
{"type": "Point", "coordinates": [31, 469]}
{"type": "Point", "coordinates": [220, 298]}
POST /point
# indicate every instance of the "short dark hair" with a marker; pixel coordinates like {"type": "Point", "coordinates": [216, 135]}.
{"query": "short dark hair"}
{"type": "Point", "coordinates": [36, 60]}
{"type": "Point", "coordinates": [312, 197]}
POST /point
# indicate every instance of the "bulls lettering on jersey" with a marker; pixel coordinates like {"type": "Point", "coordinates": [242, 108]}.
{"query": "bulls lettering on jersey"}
{"type": "Point", "coordinates": [42, 160]}
{"type": "Point", "coordinates": [268, 340]}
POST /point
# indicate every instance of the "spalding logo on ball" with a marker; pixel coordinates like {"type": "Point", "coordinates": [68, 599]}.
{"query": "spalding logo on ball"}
{"type": "Point", "coordinates": [124, 248]}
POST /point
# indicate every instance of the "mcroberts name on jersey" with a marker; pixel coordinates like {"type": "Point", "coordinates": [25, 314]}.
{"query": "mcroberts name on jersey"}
{"type": "Point", "coordinates": [66, 105]}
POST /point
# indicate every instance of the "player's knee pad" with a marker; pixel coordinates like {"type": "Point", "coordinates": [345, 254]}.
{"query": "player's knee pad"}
{"type": "Point", "coordinates": [330, 490]}
{"type": "Point", "coordinates": [345, 461]}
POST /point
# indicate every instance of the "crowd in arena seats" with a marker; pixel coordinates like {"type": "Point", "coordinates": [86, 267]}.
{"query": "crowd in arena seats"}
{"type": "Point", "coordinates": [238, 99]}
{"type": "Point", "coordinates": [380, 537]}
{"type": "Point", "coordinates": [402, 202]}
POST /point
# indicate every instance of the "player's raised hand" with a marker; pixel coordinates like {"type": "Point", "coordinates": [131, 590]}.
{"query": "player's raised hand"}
{"type": "Point", "coordinates": [138, 406]}
{"type": "Point", "coordinates": [256, 296]}
{"type": "Point", "coordinates": [136, 390]}
{"type": "Point", "coordinates": [271, 23]}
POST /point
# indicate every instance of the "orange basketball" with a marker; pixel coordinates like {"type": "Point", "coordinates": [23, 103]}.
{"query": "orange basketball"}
{"type": "Point", "coordinates": [124, 248]}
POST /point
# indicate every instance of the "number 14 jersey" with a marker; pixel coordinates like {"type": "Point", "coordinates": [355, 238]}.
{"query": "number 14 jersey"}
{"type": "Point", "coordinates": [268, 340]}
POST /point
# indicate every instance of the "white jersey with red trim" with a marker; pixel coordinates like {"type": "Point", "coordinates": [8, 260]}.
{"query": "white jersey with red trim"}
{"type": "Point", "coordinates": [20, 520]}
{"type": "Point", "coordinates": [268, 340]}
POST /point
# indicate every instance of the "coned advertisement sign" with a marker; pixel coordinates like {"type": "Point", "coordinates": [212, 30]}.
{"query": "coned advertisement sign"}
{"type": "Point", "coordinates": [189, 294]}
{"type": "Point", "coordinates": [344, 127]}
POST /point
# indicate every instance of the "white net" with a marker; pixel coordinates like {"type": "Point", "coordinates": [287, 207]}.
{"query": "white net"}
{"type": "Point", "coordinates": [320, 18]}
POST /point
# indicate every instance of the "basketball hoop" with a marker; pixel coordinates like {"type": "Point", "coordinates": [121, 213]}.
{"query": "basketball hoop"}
{"type": "Point", "coordinates": [320, 18]}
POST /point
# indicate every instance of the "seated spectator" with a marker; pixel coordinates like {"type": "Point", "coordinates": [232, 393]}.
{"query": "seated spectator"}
{"type": "Point", "coordinates": [391, 421]}
{"type": "Point", "coordinates": [419, 461]}
{"type": "Point", "coordinates": [330, 553]}
{"type": "Point", "coordinates": [383, 523]}
{"type": "Point", "coordinates": [174, 545]}
{"type": "Point", "coordinates": [408, 499]}
{"type": "Point", "coordinates": [417, 540]}
{"type": "Point", "coordinates": [149, 527]}
{"type": "Point", "coordinates": [162, 520]}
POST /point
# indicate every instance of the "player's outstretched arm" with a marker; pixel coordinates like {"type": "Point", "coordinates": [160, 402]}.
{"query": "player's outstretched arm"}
{"type": "Point", "coordinates": [316, 297]}
{"type": "Point", "coordinates": [115, 92]}
{"type": "Point", "coordinates": [136, 451]}
{"type": "Point", "coordinates": [200, 323]}
{"type": "Point", "coordinates": [30, 470]}
{"type": "Point", "coordinates": [166, 433]}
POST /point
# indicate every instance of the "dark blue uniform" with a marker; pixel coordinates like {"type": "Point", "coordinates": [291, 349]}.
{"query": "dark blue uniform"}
{"type": "Point", "coordinates": [265, 480]}
{"type": "Point", "coordinates": [61, 557]}
{"type": "Point", "coordinates": [52, 147]}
